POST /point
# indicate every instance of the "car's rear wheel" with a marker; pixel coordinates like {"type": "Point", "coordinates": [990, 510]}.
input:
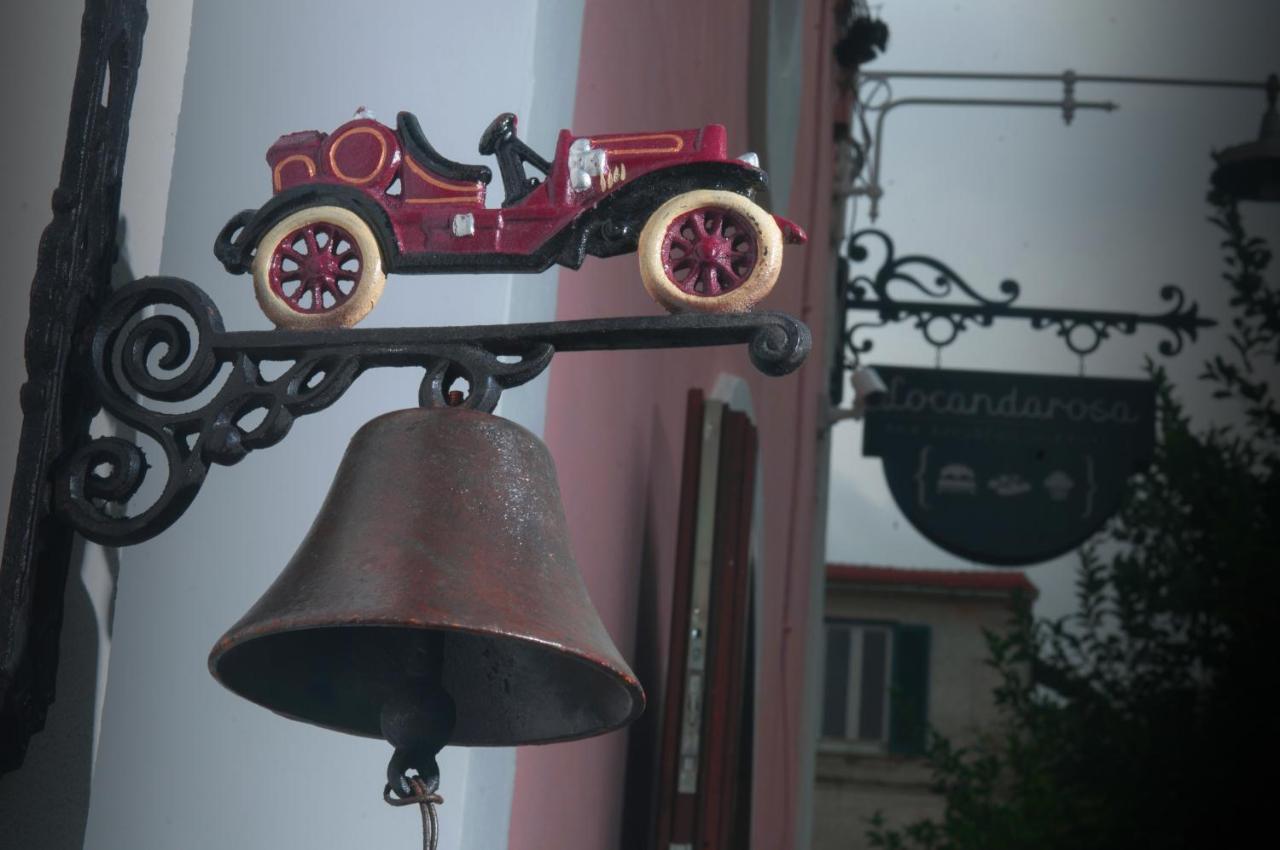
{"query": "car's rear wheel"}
{"type": "Point", "coordinates": [709, 251]}
{"type": "Point", "coordinates": [319, 267]}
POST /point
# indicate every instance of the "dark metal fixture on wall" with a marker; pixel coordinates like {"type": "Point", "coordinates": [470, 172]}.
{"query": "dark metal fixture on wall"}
{"type": "Point", "coordinates": [73, 272]}
{"type": "Point", "coordinates": [142, 358]}
{"type": "Point", "coordinates": [1249, 171]}
{"type": "Point", "coordinates": [452, 641]}
{"type": "Point", "coordinates": [940, 318]}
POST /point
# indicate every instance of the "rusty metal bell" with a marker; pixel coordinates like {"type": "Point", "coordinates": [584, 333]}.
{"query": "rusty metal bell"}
{"type": "Point", "coordinates": [435, 599]}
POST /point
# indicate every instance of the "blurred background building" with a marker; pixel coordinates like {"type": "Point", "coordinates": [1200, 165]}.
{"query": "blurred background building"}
{"type": "Point", "coordinates": [905, 652]}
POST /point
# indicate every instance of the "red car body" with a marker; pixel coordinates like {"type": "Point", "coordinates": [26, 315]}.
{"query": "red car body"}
{"type": "Point", "coordinates": [429, 215]}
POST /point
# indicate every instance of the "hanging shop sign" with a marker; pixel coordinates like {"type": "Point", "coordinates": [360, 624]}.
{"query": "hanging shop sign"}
{"type": "Point", "coordinates": [1008, 469]}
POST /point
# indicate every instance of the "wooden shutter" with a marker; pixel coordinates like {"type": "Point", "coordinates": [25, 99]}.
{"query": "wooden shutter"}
{"type": "Point", "coordinates": [705, 763]}
{"type": "Point", "coordinates": [909, 690]}
{"type": "Point", "coordinates": [835, 685]}
{"type": "Point", "coordinates": [725, 767]}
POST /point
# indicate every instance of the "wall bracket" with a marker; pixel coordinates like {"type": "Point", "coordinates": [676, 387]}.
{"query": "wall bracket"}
{"type": "Point", "coordinates": [941, 319]}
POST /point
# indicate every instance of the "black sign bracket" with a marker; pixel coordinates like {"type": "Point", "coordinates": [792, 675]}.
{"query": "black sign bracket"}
{"type": "Point", "coordinates": [940, 317]}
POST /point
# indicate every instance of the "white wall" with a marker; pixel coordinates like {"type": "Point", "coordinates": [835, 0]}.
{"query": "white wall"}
{"type": "Point", "coordinates": [182, 762]}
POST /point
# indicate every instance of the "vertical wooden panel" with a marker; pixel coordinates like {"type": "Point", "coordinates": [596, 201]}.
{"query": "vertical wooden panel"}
{"type": "Point", "coordinates": [668, 765]}
{"type": "Point", "coordinates": [909, 708]}
{"type": "Point", "coordinates": [705, 773]}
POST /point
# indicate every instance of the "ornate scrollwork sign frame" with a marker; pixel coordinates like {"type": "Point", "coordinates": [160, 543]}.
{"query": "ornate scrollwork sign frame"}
{"type": "Point", "coordinates": [954, 306]}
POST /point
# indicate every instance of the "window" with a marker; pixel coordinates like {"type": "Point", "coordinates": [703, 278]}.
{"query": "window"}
{"type": "Point", "coordinates": [876, 685]}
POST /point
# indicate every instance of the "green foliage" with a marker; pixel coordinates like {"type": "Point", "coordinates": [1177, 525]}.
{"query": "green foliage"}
{"type": "Point", "coordinates": [1139, 720]}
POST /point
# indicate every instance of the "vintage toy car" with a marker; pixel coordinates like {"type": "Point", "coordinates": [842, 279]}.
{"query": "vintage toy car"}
{"type": "Point", "coordinates": [365, 200]}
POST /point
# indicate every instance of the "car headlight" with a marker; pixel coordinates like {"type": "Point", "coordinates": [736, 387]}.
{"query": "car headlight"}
{"type": "Point", "coordinates": [585, 162]}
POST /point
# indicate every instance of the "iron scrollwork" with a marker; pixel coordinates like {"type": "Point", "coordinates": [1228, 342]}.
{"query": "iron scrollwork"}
{"type": "Point", "coordinates": [942, 318]}
{"type": "Point", "coordinates": [160, 344]}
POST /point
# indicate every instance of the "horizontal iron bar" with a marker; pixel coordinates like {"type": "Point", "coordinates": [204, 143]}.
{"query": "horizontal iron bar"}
{"type": "Point", "coordinates": [689, 330]}
{"type": "Point", "coordinates": [1105, 105]}
{"type": "Point", "coordinates": [161, 373]}
{"type": "Point", "coordinates": [1067, 76]}
{"type": "Point", "coordinates": [999, 312]}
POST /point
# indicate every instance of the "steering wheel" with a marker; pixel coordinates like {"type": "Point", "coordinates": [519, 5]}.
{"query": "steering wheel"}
{"type": "Point", "coordinates": [499, 139]}
{"type": "Point", "coordinates": [499, 130]}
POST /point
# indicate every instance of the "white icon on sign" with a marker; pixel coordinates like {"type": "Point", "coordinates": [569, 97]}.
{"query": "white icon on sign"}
{"type": "Point", "coordinates": [1059, 485]}
{"type": "Point", "coordinates": [1009, 484]}
{"type": "Point", "coordinates": [957, 478]}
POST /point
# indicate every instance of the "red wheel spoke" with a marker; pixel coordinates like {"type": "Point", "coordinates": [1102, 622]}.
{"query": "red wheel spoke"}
{"type": "Point", "coordinates": [309, 234]}
{"type": "Point", "coordinates": [331, 244]}
{"type": "Point", "coordinates": [713, 280]}
{"type": "Point", "coordinates": [287, 253]}
{"type": "Point", "coordinates": [699, 226]}
{"type": "Point", "coordinates": [713, 222]}
{"type": "Point", "coordinates": [727, 270]}
{"type": "Point", "coordinates": [690, 282]}
{"type": "Point", "coordinates": [347, 274]}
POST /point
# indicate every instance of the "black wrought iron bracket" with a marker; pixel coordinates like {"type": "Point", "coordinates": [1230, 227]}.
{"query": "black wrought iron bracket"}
{"type": "Point", "coordinates": [163, 364]}
{"type": "Point", "coordinates": [941, 319]}
{"type": "Point", "coordinates": [155, 355]}
{"type": "Point", "coordinates": [72, 277]}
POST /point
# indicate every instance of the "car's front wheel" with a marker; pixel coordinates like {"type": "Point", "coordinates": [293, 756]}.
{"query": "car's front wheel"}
{"type": "Point", "coordinates": [319, 267]}
{"type": "Point", "coordinates": [709, 251]}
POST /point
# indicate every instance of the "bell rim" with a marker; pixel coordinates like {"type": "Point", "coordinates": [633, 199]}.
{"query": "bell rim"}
{"type": "Point", "coordinates": [626, 679]}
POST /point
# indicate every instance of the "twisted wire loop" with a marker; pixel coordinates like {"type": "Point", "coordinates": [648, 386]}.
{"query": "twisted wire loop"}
{"type": "Point", "coordinates": [427, 799]}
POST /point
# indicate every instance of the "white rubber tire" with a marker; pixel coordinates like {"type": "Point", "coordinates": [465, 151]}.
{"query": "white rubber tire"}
{"type": "Point", "coordinates": [365, 293]}
{"type": "Point", "coordinates": [760, 280]}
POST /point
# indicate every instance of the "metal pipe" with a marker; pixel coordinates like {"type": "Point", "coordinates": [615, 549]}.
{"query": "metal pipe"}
{"type": "Point", "coordinates": [1067, 77]}
{"type": "Point", "coordinates": [1067, 104]}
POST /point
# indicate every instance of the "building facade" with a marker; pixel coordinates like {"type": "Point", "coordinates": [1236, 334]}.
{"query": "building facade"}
{"type": "Point", "coordinates": [904, 654]}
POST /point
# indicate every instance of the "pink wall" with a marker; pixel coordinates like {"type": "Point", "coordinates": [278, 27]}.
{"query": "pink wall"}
{"type": "Point", "coordinates": [615, 420]}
